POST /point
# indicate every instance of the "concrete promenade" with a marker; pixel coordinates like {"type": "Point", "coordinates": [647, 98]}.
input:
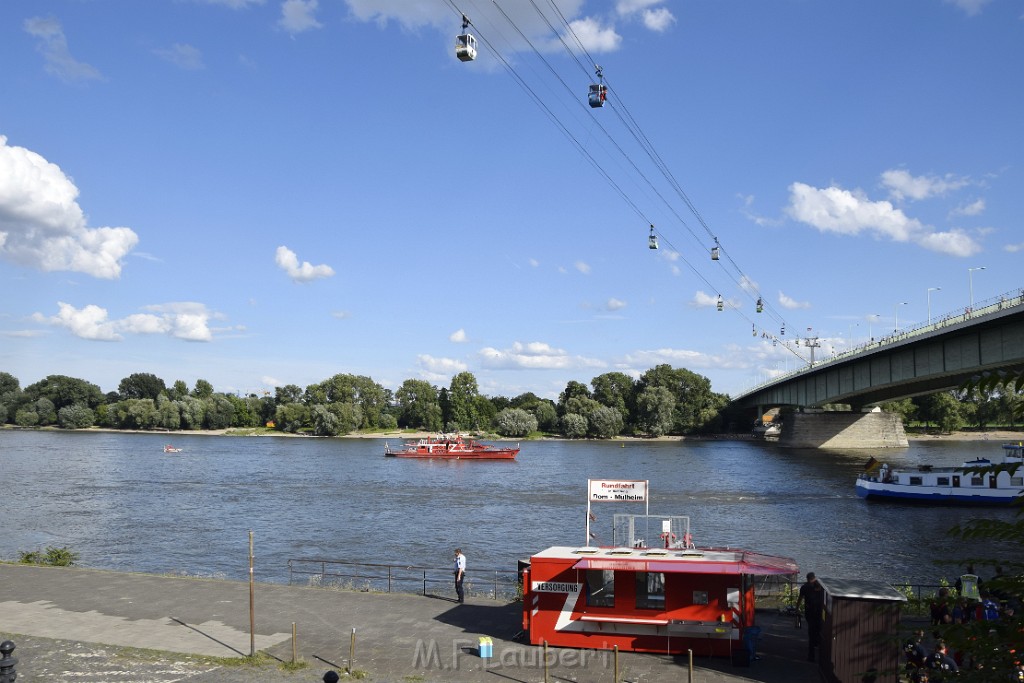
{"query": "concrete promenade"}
{"type": "Point", "coordinates": [76, 624]}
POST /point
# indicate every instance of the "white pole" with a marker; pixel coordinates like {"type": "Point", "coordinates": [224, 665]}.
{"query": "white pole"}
{"type": "Point", "coordinates": [930, 290]}
{"type": "Point", "coordinates": [970, 283]}
{"type": "Point", "coordinates": [587, 544]}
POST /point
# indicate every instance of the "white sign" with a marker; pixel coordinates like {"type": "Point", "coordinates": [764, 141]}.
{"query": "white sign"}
{"type": "Point", "coordinates": [617, 491]}
{"type": "Point", "coordinates": [555, 587]}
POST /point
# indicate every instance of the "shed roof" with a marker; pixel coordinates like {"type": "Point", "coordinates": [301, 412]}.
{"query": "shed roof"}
{"type": "Point", "coordinates": [861, 589]}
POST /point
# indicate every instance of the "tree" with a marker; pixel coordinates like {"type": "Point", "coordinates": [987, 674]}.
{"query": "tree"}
{"type": "Point", "coordinates": [46, 411]}
{"type": "Point", "coordinates": [515, 422]}
{"type": "Point", "coordinates": [169, 415]}
{"type": "Point", "coordinates": [192, 412]}
{"type": "Point", "coordinates": [655, 407]}
{"type": "Point", "coordinates": [547, 415]}
{"type": "Point", "coordinates": [325, 423]}
{"type": "Point", "coordinates": [141, 385]}
{"type": "Point", "coordinates": [291, 417]}
{"type": "Point", "coordinates": [178, 391]}
{"type": "Point", "coordinates": [203, 389]}
{"type": "Point", "coordinates": [418, 405]}
{"type": "Point", "coordinates": [572, 390]}
{"type": "Point", "coordinates": [905, 408]}
{"type": "Point", "coordinates": [463, 394]}
{"type": "Point", "coordinates": [605, 422]}
{"type": "Point", "coordinates": [220, 412]}
{"type": "Point", "coordinates": [75, 417]}
{"type": "Point", "coordinates": [65, 391]}
{"type": "Point", "coordinates": [615, 390]}
{"type": "Point", "coordinates": [695, 405]}
{"type": "Point", "coordinates": [289, 393]}
{"type": "Point", "coordinates": [574, 426]}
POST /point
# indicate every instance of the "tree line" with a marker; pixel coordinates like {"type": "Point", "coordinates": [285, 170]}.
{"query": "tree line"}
{"type": "Point", "coordinates": [663, 400]}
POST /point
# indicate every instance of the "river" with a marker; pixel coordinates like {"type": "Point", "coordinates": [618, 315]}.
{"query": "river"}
{"type": "Point", "coordinates": [121, 503]}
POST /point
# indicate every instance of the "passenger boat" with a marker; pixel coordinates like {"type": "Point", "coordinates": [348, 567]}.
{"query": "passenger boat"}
{"type": "Point", "coordinates": [451, 447]}
{"type": "Point", "coordinates": [171, 449]}
{"type": "Point", "coordinates": [968, 484]}
{"type": "Point", "coordinates": [766, 430]}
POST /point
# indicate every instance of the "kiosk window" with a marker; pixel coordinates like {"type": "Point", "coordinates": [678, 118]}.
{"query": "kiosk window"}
{"type": "Point", "coordinates": [650, 590]}
{"type": "Point", "coordinates": [600, 588]}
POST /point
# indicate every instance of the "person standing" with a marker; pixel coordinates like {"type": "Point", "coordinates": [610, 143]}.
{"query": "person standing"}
{"type": "Point", "coordinates": [460, 574]}
{"type": "Point", "coordinates": [812, 596]}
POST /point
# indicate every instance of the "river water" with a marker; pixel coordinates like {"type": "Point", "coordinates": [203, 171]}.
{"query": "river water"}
{"type": "Point", "coordinates": [121, 503]}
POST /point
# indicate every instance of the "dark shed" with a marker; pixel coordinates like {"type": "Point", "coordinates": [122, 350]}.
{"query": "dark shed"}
{"type": "Point", "coordinates": [858, 637]}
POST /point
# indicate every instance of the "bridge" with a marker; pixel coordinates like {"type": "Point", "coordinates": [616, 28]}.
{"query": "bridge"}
{"type": "Point", "coordinates": [910, 362]}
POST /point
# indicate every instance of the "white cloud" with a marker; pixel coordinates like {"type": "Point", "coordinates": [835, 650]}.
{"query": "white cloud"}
{"type": "Point", "coordinates": [654, 18]}
{"type": "Point", "coordinates": [288, 261]}
{"type": "Point", "coordinates": [834, 209]}
{"type": "Point", "coordinates": [659, 19]}
{"type": "Point", "coordinates": [534, 262]}
{"type": "Point", "coordinates": [271, 381]}
{"type": "Point", "coordinates": [702, 300]}
{"type": "Point", "coordinates": [458, 336]}
{"type": "Point", "coordinates": [441, 366]}
{"type": "Point", "coordinates": [902, 185]}
{"type": "Point", "coordinates": [54, 47]}
{"type": "Point", "coordinates": [234, 4]}
{"type": "Point", "coordinates": [975, 208]}
{"type": "Point", "coordinates": [970, 7]}
{"type": "Point", "coordinates": [646, 359]}
{"type": "Point", "coordinates": [582, 267]}
{"type": "Point", "coordinates": [614, 304]}
{"type": "Point", "coordinates": [594, 37]}
{"type": "Point", "coordinates": [182, 320]}
{"type": "Point", "coordinates": [341, 315]}
{"type": "Point", "coordinates": [534, 356]}
{"type": "Point", "coordinates": [1014, 248]}
{"type": "Point", "coordinates": [298, 16]}
{"type": "Point", "coordinates": [748, 285]}
{"type": "Point", "coordinates": [182, 55]}
{"type": "Point", "coordinates": [42, 226]}
{"type": "Point", "coordinates": [791, 303]}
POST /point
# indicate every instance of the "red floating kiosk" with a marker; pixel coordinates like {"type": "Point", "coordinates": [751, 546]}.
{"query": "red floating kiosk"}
{"type": "Point", "coordinates": [652, 591]}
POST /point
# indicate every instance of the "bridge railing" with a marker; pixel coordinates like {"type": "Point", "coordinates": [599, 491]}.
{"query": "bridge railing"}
{"type": "Point", "coordinates": [980, 309]}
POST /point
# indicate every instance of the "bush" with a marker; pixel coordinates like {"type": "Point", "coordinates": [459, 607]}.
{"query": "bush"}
{"type": "Point", "coordinates": [51, 557]}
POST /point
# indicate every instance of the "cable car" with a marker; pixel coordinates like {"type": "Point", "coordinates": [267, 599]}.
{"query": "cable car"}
{"type": "Point", "coordinates": [598, 91]}
{"type": "Point", "coordinates": [465, 43]}
{"type": "Point", "coordinates": [721, 304]}
{"type": "Point", "coordinates": [753, 330]}
{"type": "Point", "coordinates": [783, 334]}
{"type": "Point", "coordinates": [652, 241]}
{"type": "Point", "coordinates": [760, 305]}
{"type": "Point", "coordinates": [715, 250]}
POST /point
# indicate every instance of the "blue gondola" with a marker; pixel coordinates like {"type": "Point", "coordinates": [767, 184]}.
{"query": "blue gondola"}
{"type": "Point", "coordinates": [598, 91]}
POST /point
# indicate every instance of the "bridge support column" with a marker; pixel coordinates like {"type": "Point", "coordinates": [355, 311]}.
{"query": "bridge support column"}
{"type": "Point", "coordinates": [843, 430]}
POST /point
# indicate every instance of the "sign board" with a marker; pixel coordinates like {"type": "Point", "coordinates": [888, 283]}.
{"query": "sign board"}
{"type": "Point", "coordinates": [617, 491]}
{"type": "Point", "coordinates": [555, 587]}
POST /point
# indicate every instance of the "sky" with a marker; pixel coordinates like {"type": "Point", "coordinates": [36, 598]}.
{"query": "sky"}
{"type": "Point", "coordinates": [259, 193]}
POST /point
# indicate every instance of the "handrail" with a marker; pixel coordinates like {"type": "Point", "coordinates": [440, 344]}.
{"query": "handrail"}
{"type": "Point", "coordinates": [390, 578]}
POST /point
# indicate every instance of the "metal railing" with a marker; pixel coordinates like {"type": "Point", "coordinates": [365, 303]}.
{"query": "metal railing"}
{"type": "Point", "coordinates": [392, 578]}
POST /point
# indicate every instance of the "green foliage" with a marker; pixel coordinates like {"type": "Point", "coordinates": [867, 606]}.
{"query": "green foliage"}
{"type": "Point", "coordinates": [574, 426]}
{"type": "Point", "coordinates": [462, 395]}
{"type": "Point", "coordinates": [76, 417]}
{"type": "Point", "coordinates": [51, 557]}
{"type": "Point", "coordinates": [605, 422]}
{"type": "Point", "coordinates": [26, 417]}
{"type": "Point", "coordinates": [655, 408]}
{"type": "Point", "coordinates": [141, 385]}
{"type": "Point", "coordinates": [515, 422]}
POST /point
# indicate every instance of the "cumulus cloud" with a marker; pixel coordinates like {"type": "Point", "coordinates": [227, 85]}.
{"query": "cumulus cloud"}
{"type": "Point", "coordinates": [614, 304]}
{"type": "Point", "coordinates": [1014, 248]}
{"type": "Point", "coordinates": [298, 16]}
{"type": "Point", "coordinates": [676, 357]}
{"type": "Point", "coordinates": [582, 267]}
{"type": "Point", "coordinates": [834, 209]}
{"type": "Point", "coordinates": [655, 18]}
{"type": "Point", "coordinates": [594, 36]}
{"type": "Point", "coordinates": [458, 336]}
{"type": "Point", "coordinates": [53, 45]}
{"type": "Point", "coordinates": [183, 56]}
{"type": "Point", "coordinates": [288, 261]}
{"type": "Point", "coordinates": [341, 315]}
{"type": "Point", "coordinates": [970, 7]}
{"type": "Point", "coordinates": [791, 303]}
{"type": "Point", "coordinates": [975, 208]}
{"type": "Point", "coordinates": [441, 366]}
{"type": "Point", "coordinates": [902, 185]}
{"type": "Point", "coordinates": [183, 320]}
{"type": "Point", "coordinates": [42, 226]}
{"type": "Point", "coordinates": [534, 356]}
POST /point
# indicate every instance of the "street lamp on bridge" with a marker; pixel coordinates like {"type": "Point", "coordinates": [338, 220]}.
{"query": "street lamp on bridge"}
{"type": "Point", "coordinates": [873, 318]}
{"type": "Point", "coordinates": [896, 316]}
{"type": "Point", "coordinates": [930, 290]}
{"type": "Point", "coordinates": [970, 283]}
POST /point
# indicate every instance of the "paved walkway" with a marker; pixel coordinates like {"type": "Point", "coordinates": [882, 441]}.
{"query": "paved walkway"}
{"type": "Point", "coordinates": [73, 623]}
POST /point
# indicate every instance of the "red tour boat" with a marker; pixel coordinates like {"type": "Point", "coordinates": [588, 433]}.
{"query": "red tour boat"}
{"type": "Point", "coordinates": [451, 447]}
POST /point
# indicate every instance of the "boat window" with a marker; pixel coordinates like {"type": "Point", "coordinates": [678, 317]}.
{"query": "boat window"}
{"type": "Point", "coordinates": [650, 590]}
{"type": "Point", "coordinates": [915, 481]}
{"type": "Point", "coordinates": [977, 481]}
{"type": "Point", "coordinates": [942, 481]}
{"type": "Point", "coordinates": [1016, 481]}
{"type": "Point", "coordinates": [600, 588]}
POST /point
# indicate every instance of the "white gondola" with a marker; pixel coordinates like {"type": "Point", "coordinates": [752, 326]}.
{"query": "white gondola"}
{"type": "Point", "coordinates": [652, 240]}
{"type": "Point", "coordinates": [465, 43]}
{"type": "Point", "coordinates": [721, 304]}
{"type": "Point", "coordinates": [714, 253]}
{"type": "Point", "coordinates": [760, 305]}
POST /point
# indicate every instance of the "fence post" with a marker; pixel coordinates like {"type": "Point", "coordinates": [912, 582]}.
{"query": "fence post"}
{"type": "Point", "coordinates": [424, 582]}
{"type": "Point", "coordinates": [7, 662]}
{"type": "Point", "coordinates": [389, 578]}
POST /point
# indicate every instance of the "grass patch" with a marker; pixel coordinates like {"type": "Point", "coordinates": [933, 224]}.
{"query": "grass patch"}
{"type": "Point", "coordinates": [51, 557]}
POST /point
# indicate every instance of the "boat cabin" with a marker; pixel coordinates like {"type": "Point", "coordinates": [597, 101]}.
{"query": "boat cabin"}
{"type": "Point", "coordinates": [667, 598]}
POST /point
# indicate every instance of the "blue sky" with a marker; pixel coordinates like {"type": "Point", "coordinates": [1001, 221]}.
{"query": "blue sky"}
{"type": "Point", "coordinates": [258, 192]}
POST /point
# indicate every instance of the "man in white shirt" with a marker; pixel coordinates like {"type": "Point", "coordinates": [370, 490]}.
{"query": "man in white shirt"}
{"type": "Point", "coordinates": [460, 573]}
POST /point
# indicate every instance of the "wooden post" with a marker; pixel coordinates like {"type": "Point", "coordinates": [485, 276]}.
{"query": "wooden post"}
{"type": "Point", "coordinates": [351, 652]}
{"type": "Point", "coordinates": [295, 645]}
{"type": "Point", "coordinates": [252, 602]}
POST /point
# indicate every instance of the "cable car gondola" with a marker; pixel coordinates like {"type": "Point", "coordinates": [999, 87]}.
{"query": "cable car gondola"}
{"type": "Point", "coordinates": [760, 305]}
{"type": "Point", "coordinates": [652, 241]}
{"type": "Point", "coordinates": [598, 91]}
{"type": "Point", "coordinates": [465, 43]}
{"type": "Point", "coordinates": [715, 250]}
{"type": "Point", "coordinates": [720, 304]}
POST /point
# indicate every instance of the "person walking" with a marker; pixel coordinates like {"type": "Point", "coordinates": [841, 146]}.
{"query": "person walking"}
{"type": "Point", "coordinates": [460, 574]}
{"type": "Point", "coordinates": [812, 597]}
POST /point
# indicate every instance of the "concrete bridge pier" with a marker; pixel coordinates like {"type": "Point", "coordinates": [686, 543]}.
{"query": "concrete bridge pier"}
{"type": "Point", "coordinates": [843, 430]}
